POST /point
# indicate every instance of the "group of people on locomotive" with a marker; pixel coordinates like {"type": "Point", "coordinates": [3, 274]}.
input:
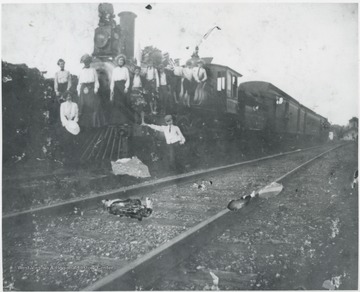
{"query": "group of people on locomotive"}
{"type": "Point", "coordinates": [147, 90]}
{"type": "Point", "coordinates": [129, 96]}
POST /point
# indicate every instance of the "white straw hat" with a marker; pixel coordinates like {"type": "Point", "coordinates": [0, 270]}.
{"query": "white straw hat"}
{"type": "Point", "coordinates": [72, 127]}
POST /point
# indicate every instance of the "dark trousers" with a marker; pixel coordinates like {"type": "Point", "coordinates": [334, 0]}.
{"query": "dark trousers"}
{"type": "Point", "coordinates": [165, 99]}
{"type": "Point", "coordinates": [173, 152]}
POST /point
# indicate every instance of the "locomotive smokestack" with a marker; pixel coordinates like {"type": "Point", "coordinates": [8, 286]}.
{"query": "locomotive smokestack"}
{"type": "Point", "coordinates": [127, 24]}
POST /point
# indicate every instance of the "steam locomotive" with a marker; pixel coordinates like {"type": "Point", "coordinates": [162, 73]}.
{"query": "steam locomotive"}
{"type": "Point", "coordinates": [231, 108]}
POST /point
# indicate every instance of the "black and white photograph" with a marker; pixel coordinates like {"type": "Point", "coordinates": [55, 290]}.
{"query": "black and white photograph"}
{"type": "Point", "coordinates": [172, 145]}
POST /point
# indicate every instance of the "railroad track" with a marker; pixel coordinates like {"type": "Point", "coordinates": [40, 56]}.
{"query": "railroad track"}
{"type": "Point", "coordinates": [77, 188]}
{"type": "Point", "coordinates": [34, 191]}
{"type": "Point", "coordinates": [81, 246]}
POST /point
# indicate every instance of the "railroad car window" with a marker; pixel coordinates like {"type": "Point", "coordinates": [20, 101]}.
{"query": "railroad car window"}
{"type": "Point", "coordinates": [234, 86]}
{"type": "Point", "coordinates": [221, 81]}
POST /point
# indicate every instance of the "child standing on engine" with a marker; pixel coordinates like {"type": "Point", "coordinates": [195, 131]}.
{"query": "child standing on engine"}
{"type": "Point", "coordinates": [164, 91]}
{"type": "Point", "coordinates": [152, 85]}
{"type": "Point", "coordinates": [137, 99]}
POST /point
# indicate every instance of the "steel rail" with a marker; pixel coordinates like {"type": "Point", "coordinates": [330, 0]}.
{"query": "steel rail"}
{"type": "Point", "coordinates": [125, 192]}
{"type": "Point", "coordinates": [126, 277]}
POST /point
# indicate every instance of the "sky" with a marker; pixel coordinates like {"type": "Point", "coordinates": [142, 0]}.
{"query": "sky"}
{"type": "Point", "coordinates": [309, 50]}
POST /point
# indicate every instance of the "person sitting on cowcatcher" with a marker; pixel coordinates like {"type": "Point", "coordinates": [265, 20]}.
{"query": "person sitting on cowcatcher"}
{"type": "Point", "coordinates": [62, 83]}
{"type": "Point", "coordinates": [151, 85]}
{"type": "Point", "coordinates": [137, 99]}
{"type": "Point", "coordinates": [90, 112]}
{"type": "Point", "coordinates": [119, 88]}
{"type": "Point", "coordinates": [174, 138]}
{"type": "Point", "coordinates": [69, 115]}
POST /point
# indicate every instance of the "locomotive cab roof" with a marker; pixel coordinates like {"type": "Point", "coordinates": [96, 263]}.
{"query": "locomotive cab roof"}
{"type": "Point", "coordinates": [224, 68]}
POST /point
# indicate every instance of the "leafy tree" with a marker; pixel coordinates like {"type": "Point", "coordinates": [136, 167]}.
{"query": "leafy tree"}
{"type": "Point", "coordinates": [153, 54]}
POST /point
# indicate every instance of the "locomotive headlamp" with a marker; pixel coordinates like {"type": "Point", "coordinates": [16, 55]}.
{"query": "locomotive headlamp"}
{"type": "Point", "coordinates": [101, 38]}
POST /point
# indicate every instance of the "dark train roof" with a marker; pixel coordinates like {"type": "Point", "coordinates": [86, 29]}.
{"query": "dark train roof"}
{"type": "Point", "coordinates": [261, 88]}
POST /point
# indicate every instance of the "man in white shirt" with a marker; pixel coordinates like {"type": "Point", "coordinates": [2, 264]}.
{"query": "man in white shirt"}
{"type": "Point", "coordinates": [187, 82]}
{"type": "Point", "coordinates": [174, 138]}
{"type": "Point", "coordinates": [152, 85]}
{"type": "Point", "coordinates": [164, 91]}
{"type": "Point", "coordinates": [137, 99]}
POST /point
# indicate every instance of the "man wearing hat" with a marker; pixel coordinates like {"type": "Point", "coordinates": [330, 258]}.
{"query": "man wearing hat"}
{"type": "Point", "coordinates": [151, 85]}
{"type": "Point", "coordinates": [137, 99]}
{"type": "Point", "coordinates": [187, 81]}
{"type": "Point", "coordinates": [62, 83]}
{"type": "Point", "coordinates": [200, 77]}
{"type": "Point", "coordinates": [164, 90]}
{"type": "Point", "coordinates": [173, 136]}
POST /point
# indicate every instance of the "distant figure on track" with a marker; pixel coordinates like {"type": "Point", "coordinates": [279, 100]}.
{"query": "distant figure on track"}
{"type": "Point", "coordinates": [174, 138]}
{"type": "Point", "coordinates": [355, 180]}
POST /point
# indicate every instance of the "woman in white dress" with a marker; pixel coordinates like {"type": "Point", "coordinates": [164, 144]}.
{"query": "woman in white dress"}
{"type": "Point", "coordinates": [69, 116]}
{"type": "Point", "coordinates": [69, 110]}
